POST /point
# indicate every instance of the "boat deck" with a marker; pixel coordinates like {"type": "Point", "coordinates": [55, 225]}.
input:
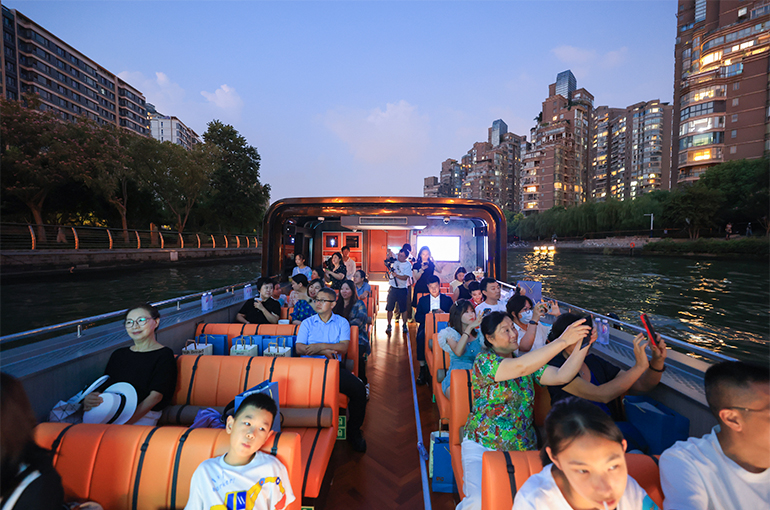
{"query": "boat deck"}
{"type": "Point", "coordinates": [388, 474]}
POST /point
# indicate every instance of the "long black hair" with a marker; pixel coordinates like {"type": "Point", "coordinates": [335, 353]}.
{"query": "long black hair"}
{"type": "Point", "coordinates": [456, 313]}
{"type": "Point", "coordinates": [572, 418]}
{"type": "Point", "coordinates": [339, 306]}
{"type": "Point", "coordinates": [516, 304]}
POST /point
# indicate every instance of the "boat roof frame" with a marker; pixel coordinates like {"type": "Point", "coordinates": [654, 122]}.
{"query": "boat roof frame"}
{"type": "Point", "coordinates": [282, 210]}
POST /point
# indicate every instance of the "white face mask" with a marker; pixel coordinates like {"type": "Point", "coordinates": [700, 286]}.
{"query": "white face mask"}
{"type": "Point", "coordinates": [526, 316]}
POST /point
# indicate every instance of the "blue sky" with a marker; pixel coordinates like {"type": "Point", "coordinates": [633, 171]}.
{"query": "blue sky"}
{"type": "Point", "coordinates": [367, 98]}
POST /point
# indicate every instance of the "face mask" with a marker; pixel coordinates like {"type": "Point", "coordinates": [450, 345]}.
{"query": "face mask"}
{"type": "Point", "coordinates": [526, 316]}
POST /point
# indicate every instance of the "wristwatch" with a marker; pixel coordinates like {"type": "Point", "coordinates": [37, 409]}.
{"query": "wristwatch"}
{"type": "Point", "coordinates": [534, 322]}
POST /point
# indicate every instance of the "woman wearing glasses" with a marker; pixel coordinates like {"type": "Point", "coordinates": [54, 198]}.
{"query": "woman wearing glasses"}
{"type": "Point", "coordinates": [147, 365]}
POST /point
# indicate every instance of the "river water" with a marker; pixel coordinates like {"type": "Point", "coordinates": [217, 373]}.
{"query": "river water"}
{"type": "Point", "coordinates": [722, 305]}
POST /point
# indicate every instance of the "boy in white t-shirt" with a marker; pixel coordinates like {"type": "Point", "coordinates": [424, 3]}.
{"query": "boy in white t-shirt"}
{"type": "Point", "coordinates": [244, 477]}
{"type": "Point", "coordinates": [730, 467]}
{"type": "Point", "coordinates": [491, 291]}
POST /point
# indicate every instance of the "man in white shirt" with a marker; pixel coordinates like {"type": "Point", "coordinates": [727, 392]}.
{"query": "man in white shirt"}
{"type": "Point", "coordinates": [350, 264]}
{"type": "Point", "coordinates": [490, 289]}
{"type": "Point", "coordinates": [730, 467]}
{"type": "Point", "coordinates": [399, 282]}
{"type": "Point", "coordinates": [435, 300]}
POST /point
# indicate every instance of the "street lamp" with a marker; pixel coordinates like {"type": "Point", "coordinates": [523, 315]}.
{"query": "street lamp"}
{"type": "Point", "coordinates": [652, 218]}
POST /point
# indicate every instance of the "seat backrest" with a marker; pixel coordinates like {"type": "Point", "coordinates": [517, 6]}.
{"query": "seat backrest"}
{"type": "Point", "coordinates": [351, 362]}
{"type": "Point", "coordinates": [216, 380]}
{"type": "Point", "coordinates": [441, 360]}
{"type": "Point", "coordinates": [496, 488]}
{"type": "Point", "coordinates": [460, 399]}
{"type": "Point", "coordinates": [431, 319]}
{"type": "Point", "coordinates": [123, 467]}
{"type": "Point", "coordinates": [284, 312]}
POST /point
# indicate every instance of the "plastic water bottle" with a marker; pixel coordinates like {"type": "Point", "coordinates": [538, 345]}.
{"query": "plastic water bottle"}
{"type": "Point", "coordinates": [604, 332]}
{"type": "Point", "coordinates": [203, 302]}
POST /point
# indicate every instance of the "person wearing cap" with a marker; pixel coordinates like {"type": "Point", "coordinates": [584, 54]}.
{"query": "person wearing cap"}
{"type": "Point", "coordinates": [147, 365]}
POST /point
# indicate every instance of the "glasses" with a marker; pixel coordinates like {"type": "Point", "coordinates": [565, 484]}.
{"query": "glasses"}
{"type": "Point", "coordinates": [141, 321]}
{"type": "Point", "coordinates": [748, 410]}
{"type": "Point", "coordinates": [324, 301]}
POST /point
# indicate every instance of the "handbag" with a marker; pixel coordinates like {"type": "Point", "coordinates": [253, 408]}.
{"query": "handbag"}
{"type": "Point", "coordinates": [440, 463]}
{"type": "Point", "coordinates": [241, 348]}
{"type": "Point", "coordinates": [278, 351]}
{"type": "Point", "coordinates": [660, 426]}
{"type": "Point", "coordinates": [196, 348]}
{"type": "Point", "coordinates": [70, 411]}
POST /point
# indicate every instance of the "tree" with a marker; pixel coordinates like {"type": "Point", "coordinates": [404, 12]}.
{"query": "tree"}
{"type": "Point", "coordinates": [237, 200]}
{"type": "Point", "coordinates": [175, 175]}
{"type": "Point", "coordinates": [40, 152]}
{"type": "Point", "coordinates": [694, 207]}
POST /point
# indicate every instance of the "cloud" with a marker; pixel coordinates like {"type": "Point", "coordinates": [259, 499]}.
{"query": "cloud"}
{"type": "Point", "coordinates": [399, 134]}
{"type": "Point", "coordinates": [170, 98]}
{"type": "Point", "coordinates": [225, 98]}
{"type": "Point", "coordinates": [583, 61]}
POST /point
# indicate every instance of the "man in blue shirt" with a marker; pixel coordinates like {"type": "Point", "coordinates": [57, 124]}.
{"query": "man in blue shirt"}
{"type": "Point", "coordinates": [327, 335]}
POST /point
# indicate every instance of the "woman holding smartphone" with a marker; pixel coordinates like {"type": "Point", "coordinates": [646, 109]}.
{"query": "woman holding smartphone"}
{"type": "Point", "coordinates": [423, 268]}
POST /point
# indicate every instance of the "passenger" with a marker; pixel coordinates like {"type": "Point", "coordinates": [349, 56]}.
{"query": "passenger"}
{"type": "Point", "coordinates": [502, 417]}
{"type": "Point", "coordinates": [407, 313]}
{"type": "Point", "coordinates": [354, 310]}
{"type": "Point", "coordinates": [263, 309]}
{"type": "Point", "coordinates": [459, 277]}
{"type": "Point", "coordinates": [299, 289]}
{"type": "Point", "coordinates": [301, 268]}
{"type": "Point", "coordinates": [437, 301]}
{"type": "Point", "coordinates": [584, 464]}
{"type": "Point", "coordinates": [422, 269]}
{"type": "Point", "coordinates": [279, 295]}
{"type": "Point", "coordinates": [728, 468]}
{"type": "Point", "coordinates": [335, 271]}
{"type": "Point", "coordinates": [526, 317]}
{"type": "Point", "coordinates": [397, 293]}
{"type": "Point", "coordinates": [27, 476]}
{"type": "Point", "coordinates": [491, 292]}
{"type": "Point", "coordinates": [147, 365]}
{"type": "Point", "coordinates": [600, 381]}
{"type": "Point", "coordinates": [363, 288]}
{"type": "Point", "coordinates": [244, 477]}
{"type": "Point", "coordinates": [303, 307]}
{"type": "Point", "coordinates": [463, 291]}
{"type": "Point", "coordinates": [326, 335]}
{"type": "Point", "coordinates": [476, 296]}
{"type": "Point", "coordinates": [461, 339]}
{"type": "Point", "coordinates": [317, 274]}
{"type": "Point", "coordinates": [350, 264]}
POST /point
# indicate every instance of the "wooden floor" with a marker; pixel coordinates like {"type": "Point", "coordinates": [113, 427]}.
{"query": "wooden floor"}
{"type": "Point", "coordinates": [388, 474]}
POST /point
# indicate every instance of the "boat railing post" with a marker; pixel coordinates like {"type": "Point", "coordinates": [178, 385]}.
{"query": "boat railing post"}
{"type": "Point", "coordinates": [80, 330]}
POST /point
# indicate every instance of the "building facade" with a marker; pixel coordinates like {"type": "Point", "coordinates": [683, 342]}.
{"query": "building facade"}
{"type": "Point", "coordinates": [166, 128]}
{"type": "Point", "coordinates": [556, 170]}
{"type": "Point", "coordinates": [721, 104]}
{"type": "Point", "coordinates": [67, 82]}
{"type": "Point", "coordinates": [631, 150]}
{"type": "Point", "coordinates": [431, 187]}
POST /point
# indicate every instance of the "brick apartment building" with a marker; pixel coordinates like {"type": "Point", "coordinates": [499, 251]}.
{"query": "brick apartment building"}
{"type": "Point", "coordinates": [721, 102]}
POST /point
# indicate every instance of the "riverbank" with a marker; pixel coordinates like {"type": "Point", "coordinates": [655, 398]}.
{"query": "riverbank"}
{"type": "Point", "coordinates": [50, 262]}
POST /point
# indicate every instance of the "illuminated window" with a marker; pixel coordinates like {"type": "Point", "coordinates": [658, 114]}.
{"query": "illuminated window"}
{"type": "Point", "coordinates": [711, 58]}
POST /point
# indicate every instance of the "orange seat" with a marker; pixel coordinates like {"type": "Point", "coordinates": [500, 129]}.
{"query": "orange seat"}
{"type": "Point", "coordinates": [128, 466]}
{"type": "Point", "coordinates": [211, 381]}
{"type": "Point", "coordinates": [496, 486]}
{"type": "Point", "coordinates": [460, 399]}
{"type": "Point", "coordinates": [441, 365]}
{"type": "Point", "coordinates": [236, 329]}
{"type": "Point", "coordinates": [284, 312]}
{"type": "Point", "coordinates": [430, 329]}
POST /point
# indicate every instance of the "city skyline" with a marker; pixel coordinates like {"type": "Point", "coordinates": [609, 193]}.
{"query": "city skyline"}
{"type": "Point", "coordinates": [356, 90]}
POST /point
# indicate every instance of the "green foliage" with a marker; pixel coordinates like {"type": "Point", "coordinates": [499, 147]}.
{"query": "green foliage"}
{"type": "Point", "coordinates": [694, 208]}
{"type": "Point", "coordinates": [236, 200]}
{"type": "Point", "coordinates": [754, 247]}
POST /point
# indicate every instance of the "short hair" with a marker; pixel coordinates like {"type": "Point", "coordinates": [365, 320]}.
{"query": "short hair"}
{"type": "Point", "coordinates": [469, 277]}
{"type": "Point", "coordinates": [474, 285]}
{"type": "Point", "coordinates": [456, 313]}
{"type": "Point", "coordinates": [300, 256]}
{"type": "Point", "coordinates": [317, 280]}
{"type": "Point", "coordinates": [572, 418]}
{"type": "Point", "coordinates": [300, 278]}
{"type": "Point", "coordinates": [345, 248]}
{"type": "Point", "coordinates": [460, 269]}
{"type": "Point", "coordinates": [485, 282]}
{"type": "Point", "coordinates": [404, 251]}
{"type": "Point", "coordinates": [258, 401]}
{"type": "Point", "coordinates": [489, 325]}
{"type": "Point", "coordinates": [516, 304]}
{"type": "Point", "coordinates": [147, 307]}
{"type": "Point", "coordinates": [563, 321]}
{"type": "Point", "coordinates": [329, 292]}
{"type": "Point", "coordinates": [407, 247]}
{"type": "Point", "coordinates": [433, 279]}
{"type": "Point", "coordinates": [738, 375]}
{"type": "Point", "coordinates": [264, 280]}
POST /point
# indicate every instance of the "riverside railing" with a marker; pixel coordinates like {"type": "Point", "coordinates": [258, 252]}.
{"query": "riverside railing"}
{"type": "Point", "coordinates": [21, 236]}
{"type": "Point", "coordinates": [681, 344]}
{"type": "Point", "coordinates": [78, 326]}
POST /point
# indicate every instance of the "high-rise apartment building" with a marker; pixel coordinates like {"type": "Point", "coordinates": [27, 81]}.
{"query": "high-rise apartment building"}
{"type": "Point", "coordinates": [431, 187]}
{"type": "Point", "coordinates": [451, 178]}
{"type": "Point", "coordinates": [560, 151]}
{"type": "Point", "coordinates": [68, 82]}
{"type": "Point", "coordinates": [631, 150]}
{"type": "Point", "coordinates": [166, 128]}
{"type": "Point", "coordinates": [721, 105]}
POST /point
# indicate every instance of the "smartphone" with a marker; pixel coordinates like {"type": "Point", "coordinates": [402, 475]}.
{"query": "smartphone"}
{"type": "Point", "coordinates": [589, 322]}
{"type": "Point", "coordinates": [650, 330]}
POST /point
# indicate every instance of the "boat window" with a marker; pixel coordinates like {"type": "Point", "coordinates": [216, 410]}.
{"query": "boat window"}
{"type": "Point", "coordinates": [443, 248]}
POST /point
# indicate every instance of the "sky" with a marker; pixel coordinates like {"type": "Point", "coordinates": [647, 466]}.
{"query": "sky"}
{"type": "Point", "coordinates": [367, 98]}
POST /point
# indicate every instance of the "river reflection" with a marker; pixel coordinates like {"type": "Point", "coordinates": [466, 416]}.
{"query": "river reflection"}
{"type": "Point", "coordinates": [721, 305]}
